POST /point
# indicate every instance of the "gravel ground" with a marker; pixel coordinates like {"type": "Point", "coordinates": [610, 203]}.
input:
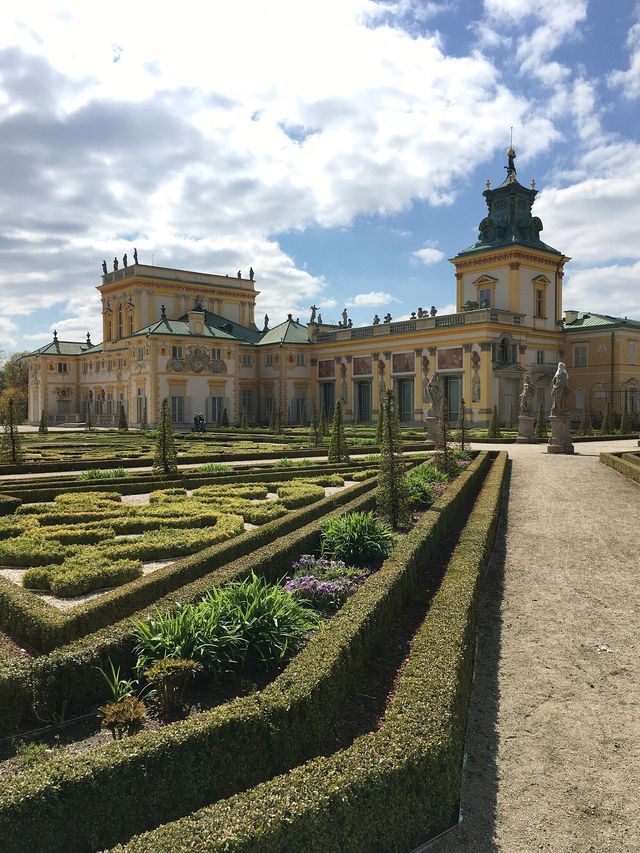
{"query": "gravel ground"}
{"type": "Point", "coordinates": [553, 752]}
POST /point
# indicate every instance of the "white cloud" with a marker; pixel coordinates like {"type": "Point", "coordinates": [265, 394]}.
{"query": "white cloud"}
{"type": "Point", "coordinates": [609, 290]}
{"type": "Point", "coordinates": [7, 334]}
{"type": "Point", "coordinates": [629, 80]}
{"type": "Point", "coordinates": [373, 299]}
{"type": "Point", "coordinates": [428, 255]}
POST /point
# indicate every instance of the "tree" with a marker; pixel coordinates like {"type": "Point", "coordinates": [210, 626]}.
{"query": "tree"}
{"type": "Point", "coordinates": [324, 422]}
{"type": "Point", "coordinates": [10, 447]}
{"type": "Point", "coordinates": [43, 428]}
{"type": "Point", "coordinates": [391, 496]}
{"type": "Point", "coordinates": [314, 431]}
{"type": "Point", "coordinates": [14, 383]}
{"type": "Point", "coordinates": [625, 420]}
{"type": "Point", "coordinates": [123, 426]}
{"type": "Point", "coordinates": [165, 455]}
{"type": "Point", "coordinates": [607, 420]}
{"type": "Point", "coordinates": [541, 429]}
{"type": "Point", "coordinates": [338, 451]}
{"type": "Point", "coordinates": [493, 430]}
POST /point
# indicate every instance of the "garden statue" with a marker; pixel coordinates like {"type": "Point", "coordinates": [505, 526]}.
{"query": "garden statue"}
{"type": "Point", "coordinates": [436, 396]}
{"type": "Point", "coordinates": [526, 397]}
{"type": "Point", "coordinates": [560, 390]}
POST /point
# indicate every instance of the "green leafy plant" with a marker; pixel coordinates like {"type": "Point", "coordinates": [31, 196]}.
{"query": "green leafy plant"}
{"type": "Point", "coordinates": [119, 687]}
{"type": "Point", "coordinates": [323, 425]}
{"type": "Point", "coordinates": [125, 717]}
{"type": "Point", "coordinates": [102, 474]}
{"type": "Point", "coordinates": [169, 679]}
{"type": "Point", "coordinates": [11, 444]}
{"type": "Point", "coordinates": [30, 754]}
{"type": "Point", "coordinates": [357, 538]}
{"type": "Point", "coordinates": [212, 468]}
{"type": "Point", "coordinates": [242, 624]}
{"type": "Point", "coordinates": [315, 434]}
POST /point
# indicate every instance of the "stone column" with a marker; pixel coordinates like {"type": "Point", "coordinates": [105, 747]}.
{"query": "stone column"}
{"type": "Point", "coordinates": [349, 406]}
{"type": "Point", "coordinates": [375, 386]}
{"type": "Point", "coordinates": [417, 386]}
{"type": "Point", "coordinates": [430, 420]}
{"type": "Point", "coordinates": [466, 378]}
{"type": "Point", "coordinates": [486, 383]}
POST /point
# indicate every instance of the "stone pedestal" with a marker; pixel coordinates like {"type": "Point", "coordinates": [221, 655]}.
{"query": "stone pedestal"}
{"type": "Point", "coordinates": [560, 441]}
{"type": "Point", "coordinates": [525, 429]}
{"type": "Point", "coordinates": [434, 430]}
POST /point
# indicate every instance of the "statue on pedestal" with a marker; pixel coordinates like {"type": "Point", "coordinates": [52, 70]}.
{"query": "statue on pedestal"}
{"type": "Point", "coordinates": [526, 397]}
{"type": "Point", "coordinates": [560, 390]}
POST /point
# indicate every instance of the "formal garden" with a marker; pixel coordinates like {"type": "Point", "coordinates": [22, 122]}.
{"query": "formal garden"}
{"type": "Point", "coordinates": [267, 657]}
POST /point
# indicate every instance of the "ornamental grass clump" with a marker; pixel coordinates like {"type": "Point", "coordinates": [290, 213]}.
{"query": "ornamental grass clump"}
{"type": "Point", "coordinates": [248, 624]}
{"type": "Point", "coordinates": [358, 538]}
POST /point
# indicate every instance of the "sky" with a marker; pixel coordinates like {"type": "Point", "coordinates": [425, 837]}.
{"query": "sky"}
{"type": "Point", "coordinates": [339, 147]}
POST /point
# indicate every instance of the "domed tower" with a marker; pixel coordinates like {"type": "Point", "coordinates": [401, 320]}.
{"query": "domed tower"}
{"type": "Point", "coordinates": [509, 267]}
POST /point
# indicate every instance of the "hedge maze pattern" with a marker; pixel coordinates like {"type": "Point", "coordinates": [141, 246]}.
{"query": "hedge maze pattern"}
{"type": "Point", "coordinates": [252, 773]}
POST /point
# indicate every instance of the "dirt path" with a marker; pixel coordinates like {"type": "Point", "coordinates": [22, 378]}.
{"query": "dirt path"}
{"type": "Point", "coordinates": [553, 755]}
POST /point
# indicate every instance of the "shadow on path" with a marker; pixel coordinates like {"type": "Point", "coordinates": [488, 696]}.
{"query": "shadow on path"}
{"type": "Point", "coordinates": [475, 833]}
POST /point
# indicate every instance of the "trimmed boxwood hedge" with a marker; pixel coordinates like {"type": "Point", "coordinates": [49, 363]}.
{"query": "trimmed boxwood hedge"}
{"type": "Point", "coordinates": [87, 801]}
{"type": "Point", "coordinates": [392, 789]}
{"type": "Point", "coordinates": [8, 504]}
{"type": "Point", "coordinates": [627, 464]}
{"type": "Point", "coordinates": [45, 629]}
{"type": "Point", "coordinates": [67, 678]}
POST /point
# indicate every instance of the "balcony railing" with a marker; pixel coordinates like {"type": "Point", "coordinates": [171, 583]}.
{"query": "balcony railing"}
{"type": "Point", "coordinates": [541, 369]}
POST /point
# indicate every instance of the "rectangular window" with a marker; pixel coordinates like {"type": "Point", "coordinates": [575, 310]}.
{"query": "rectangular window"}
{"type": "Point", "coordinates": [268, 359]}
{"type": "Point", "coordinates": [633, 352]}
{"type": "Point", "coordinates": [140, 353]}
{"type": "Point", "coordinates": [177, 410]}
{"type": "Point", "coordinates": [539, 302]}
{"type": "Point", "coordinates": [485, 297]}
{"type": "Point", "coordinates": [246, 403]}
{"type": "Point", "coordinates": [215, 353]}
{"type": "Point", "coordinates": [580, 355]}
{"type": "Point", "coordinates": [246, 361]}
{"type": "Point", "coordinates": [540, 356]}
{"type": "Point", "coordinates": [85, 367]}
{"type": "Point", "coordinates": [300, 359]}
{"type": "Point", "coordinates": [176, 352]}
{"type": "Point", "coordinates": [62, 367]}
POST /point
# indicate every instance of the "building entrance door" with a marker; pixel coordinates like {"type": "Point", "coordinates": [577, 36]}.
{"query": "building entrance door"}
{"type": "Point", "coordinates": [404, 395]}
{"type": "Point", "coordinates": [363, 401]}
{"type": "Point", "coordinates": [511, 402]}
{"type": "Point", "coordinates": [452, 386]}
{"type": "Point", "coordinates": [328, 397]}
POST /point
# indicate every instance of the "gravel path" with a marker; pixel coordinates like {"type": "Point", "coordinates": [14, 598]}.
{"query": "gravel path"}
{"type": "Point", "coordinates": [553, 752]}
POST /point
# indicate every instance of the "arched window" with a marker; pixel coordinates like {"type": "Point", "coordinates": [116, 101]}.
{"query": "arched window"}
{"type": "Point", "coordinates": [504, 350]}
{"type": "Point", "coordinates": [120, 321]}
{"type": "Point", "coordinates": [579, 398]}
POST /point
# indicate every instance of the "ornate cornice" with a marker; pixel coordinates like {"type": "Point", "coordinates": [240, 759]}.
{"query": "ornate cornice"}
{"type": "Point", "coordinates": [508, 256]}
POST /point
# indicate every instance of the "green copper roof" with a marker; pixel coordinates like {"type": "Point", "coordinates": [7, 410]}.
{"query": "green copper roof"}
{"type": "Point", "coordinates": [289, 332]}
{"type": "Point", "coordinates": [588, 320]}
{"type": "Point", "coordinates": [181, 327]}
{"type": "Point", "coordinates": [57, 347]}
{"type": "Point", "coordinates": [509, 220]}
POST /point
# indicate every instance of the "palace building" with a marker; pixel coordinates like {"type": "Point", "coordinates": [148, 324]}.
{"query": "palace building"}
{"type": "Point", "coordinates": [192, 338]}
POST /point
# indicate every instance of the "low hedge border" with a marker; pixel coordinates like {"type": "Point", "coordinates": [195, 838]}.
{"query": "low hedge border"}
{"type": "Point", "coordinates": [9, 504]}
{"type": "Point", "coordinates": [35, 491]}
{"type": "Point", "coordinates": [87, 801]}
{"type": "Point", "coordinates": [392, 789]}
{"type": "Point", "coordinates": [32, 621]}
{"type": "Point", "coordinates": [623, 464]}
{"type": "Point", "coordinates": [226, 456]}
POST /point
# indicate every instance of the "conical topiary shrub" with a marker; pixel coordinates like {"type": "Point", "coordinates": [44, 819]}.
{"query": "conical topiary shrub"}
{"type": "Point", "coordinates": [123, 426]}
{"type": "Point", "coordinates": [606, 427]}
{"type": "Point", "coordinates": [493, 430]}
{"type": "Point", "coordinates": [164, 459]}
{"type": "Point", "coordinates": [43, 428]}
{"type": "Point", "coordinates": [11, 445]}
{"type": "Point", "coordinates": [391, 497]}
{"type": "Point", "coordinates": [337, 445]}
{"type": "Point", "coordinates": [625, 420]}
{"type": "Point", "coordinates": [324, 423]}
{"type": "Point", "coordinates": [541, 429]}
